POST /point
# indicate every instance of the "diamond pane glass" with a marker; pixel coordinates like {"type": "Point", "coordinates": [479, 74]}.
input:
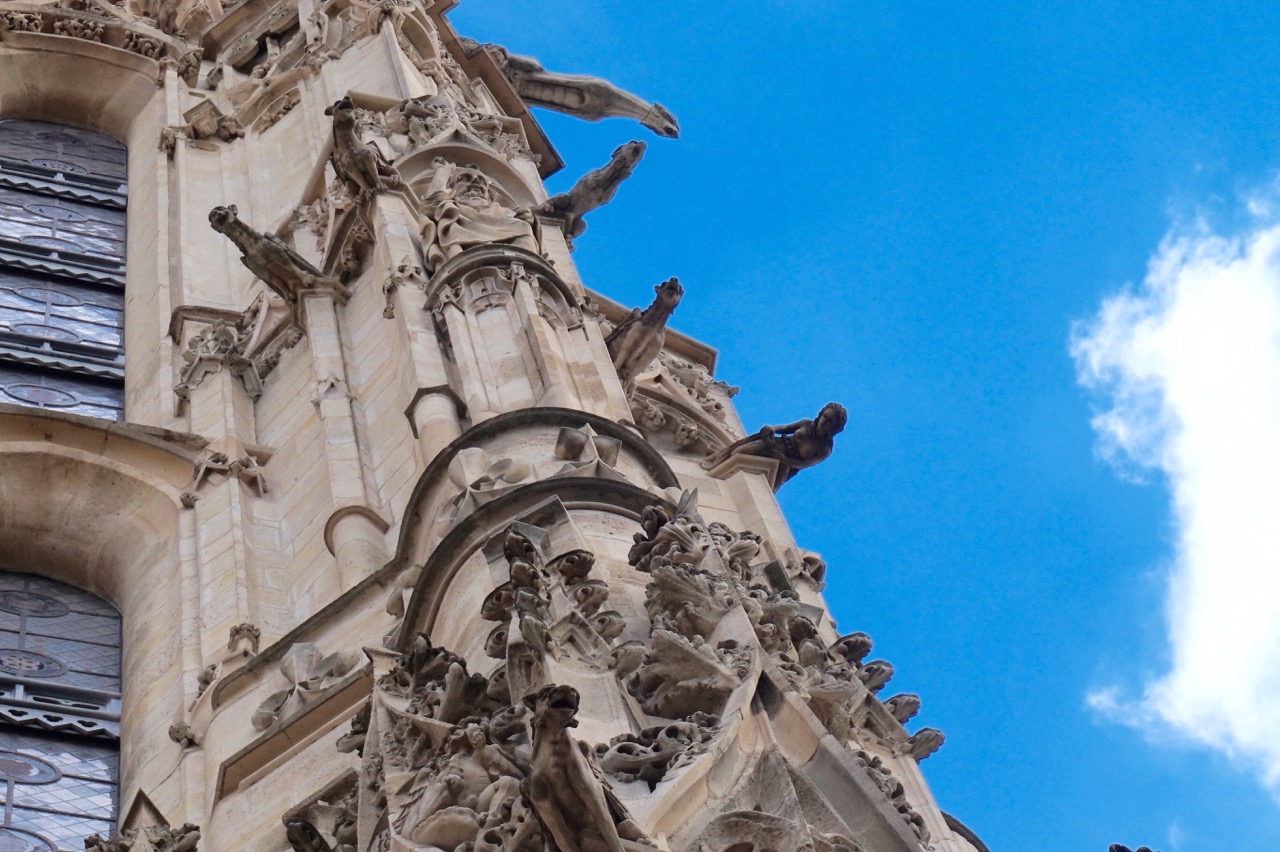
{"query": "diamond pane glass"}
{"type": "Point", "coordinates": [53, 632]}
{"type": "Point", "coordinates": [63, 149]}
{"type": "Point", "coordinates": [38, 387]}
{"type": "Point", "coordinates": [63, 314]}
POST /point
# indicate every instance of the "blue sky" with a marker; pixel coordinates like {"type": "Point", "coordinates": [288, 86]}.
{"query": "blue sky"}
{"type": "Point", "coordinates": [945, 218]}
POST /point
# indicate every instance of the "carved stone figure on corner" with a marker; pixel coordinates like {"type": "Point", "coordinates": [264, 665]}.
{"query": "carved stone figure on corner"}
{"type": "Point", "coordinates": [276, 264]}
{"type": "Point", "coordinates": [594, 189]}
{"type": "Point", "coordinates": [565, 792]}
{"type": "Point", "coordinates": [463, 211]}
{"type": "Point", "coordinates": [638, 339]}
{"type": "Point", "coordinates": [578, 95]}
{"type": "Point", "coordinates": [795, 446]}
{"type": "Point", "coordinates": [152, 838]}
{"type": "Point", "coordinates": [357, 164]}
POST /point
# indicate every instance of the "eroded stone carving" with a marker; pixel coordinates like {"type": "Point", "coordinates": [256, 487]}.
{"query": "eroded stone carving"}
{"type": "Point", "coordinates": [893, 790]}
{"type": "Point", "coordinates": [679, 677]}
{"type": "Point", "coordinates": [594, 189]}
{"type": "Point", "coordinates": [903, 707]}
{"type": "Point", "coordinates": [184, 735]}
{"type": "Point", "coordinates": [21, 22]}
{"type": "Point", "coordinates": [921, 744]}
{"type": "Point", "coordinates": [569, 798]}
{"type": "Point", "coordinates": [80, 28]}
{"type": "Point", "coordinates": [152, 838]}
{"type": "Point", "coordinates": [355, 162]}
{"type": "Point", "coordinates": [794, 446]}
{"type": "Point", "coordinates": [698, 383]}
{"type": "Point", "coordinates": [578, 95]}
{"type": "Point", "coordinates": [638, 339]}
{"type": "Point", "coordinates": [651, 754]}
{"type": "Point", "coordinates": [463, 210]}
{"type": "Point", "coordinates": [246, 636]}
{"type": "Point", "coordinates": [310, 673]}
{"type": "Point", "coordinates": [436, 684]}
{"type": "Point", "coordinates": [267, 256]}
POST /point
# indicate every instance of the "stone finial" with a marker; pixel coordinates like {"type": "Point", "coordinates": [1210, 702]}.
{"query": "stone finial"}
{"type": "Point", "coordinates": [594, 189]}
{"type": "Point", "coordinates": [794, 446]}
{"type": "Point", "coordinates": [639, 338]}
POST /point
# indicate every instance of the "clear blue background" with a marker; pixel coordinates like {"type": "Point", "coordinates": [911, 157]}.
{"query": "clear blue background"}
{"type": "Point", "coordinates": [903, 207]}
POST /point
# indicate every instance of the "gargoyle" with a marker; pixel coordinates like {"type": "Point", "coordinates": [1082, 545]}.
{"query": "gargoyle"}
{"type": "Point", "coordinates": [357, 164]}
{"type": "Point", "coordinates": [638, 339]}
{"type": "Point", "coordinates": [286, 272]}
{"type": "Point", "coordinates": [594, 189]}
{"type": "Point", "coordinates": [794, 446]}
{"type": "Point", "coordinates": [589, 98]}
{"type": "Point", "coordinates": [568, 796]}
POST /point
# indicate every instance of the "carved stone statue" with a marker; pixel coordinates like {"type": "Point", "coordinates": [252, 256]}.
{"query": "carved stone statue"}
{"type": "Point", "coordinates": [463, 211]}
{"type": "Point", "coordinates": [277, 265]}
{"type": "Point", "coordinates": [566, 793]}
{"type": "Point", "coordinates": [638, 339]}
{"type": "Point", "coordinates": [594, 189]}
{"type": "Point", "coordinates": [796, 445]}
{"type": "Point", "coordinates": [578, 95]}
{"type": "Point", "coordinates": [357, 163]}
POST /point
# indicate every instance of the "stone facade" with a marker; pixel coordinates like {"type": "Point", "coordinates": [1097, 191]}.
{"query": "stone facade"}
{"type": "Point", "coordinates": [418, 541]}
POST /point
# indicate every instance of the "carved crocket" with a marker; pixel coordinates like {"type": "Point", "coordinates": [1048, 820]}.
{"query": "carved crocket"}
{"type": "Point", "coordinates": [638, 339]}
{"type": "Point", "coordinates": [594, 189]}
{"type": "Point", "coordinates": [281, 268]}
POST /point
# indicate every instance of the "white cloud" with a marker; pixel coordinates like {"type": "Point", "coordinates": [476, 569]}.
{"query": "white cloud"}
{"type": "Point", "coordinates": [1188, 364]}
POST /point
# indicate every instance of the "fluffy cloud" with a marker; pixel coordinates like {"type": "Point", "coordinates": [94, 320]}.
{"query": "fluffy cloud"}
{"type": "Point", "coordinates": [1189, 367]}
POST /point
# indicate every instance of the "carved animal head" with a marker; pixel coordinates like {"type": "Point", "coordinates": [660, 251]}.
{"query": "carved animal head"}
{"type": "Point", "coordinates": [222, 218]}
{"type": "Point", "coordinates": [343, 112]}
{"type": "Point", "coordinates": [667, 295]}
{"type": "Point", "coordinates": [629, 153]}
{"type": "Point", "coordinates": [660, 120]}
{"type": "Point", "coordinates": [554, 706]}
{"type": "Point", "coordinates": [304, 837]}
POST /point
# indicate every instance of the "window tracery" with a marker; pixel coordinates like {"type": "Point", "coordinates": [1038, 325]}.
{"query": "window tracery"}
{"type": "Point", "coordinates": [62, 265]}
{"type": "Point", "coordinates": [59, 715]}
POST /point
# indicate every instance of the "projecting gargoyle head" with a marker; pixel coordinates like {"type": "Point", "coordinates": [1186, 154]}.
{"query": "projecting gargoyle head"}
{"type": "Point", "coordinates": [554, 706]}
{"type": "Point", "coordinates": [629, 153]}
{"type": "Point", "coordinates": [668, 293]}
{"type": "Point", "coordinates": [343, 111]}
{"type": "Point", "coordinates": [222, 217]}
{"type": "Point", "coordinates": [661, 122]}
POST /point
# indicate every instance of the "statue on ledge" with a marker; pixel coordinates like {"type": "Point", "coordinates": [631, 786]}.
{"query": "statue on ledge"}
{"type": "Point", "coordinates": [463, 211]}
{"type": "Point", "coordinates": [794, 446]}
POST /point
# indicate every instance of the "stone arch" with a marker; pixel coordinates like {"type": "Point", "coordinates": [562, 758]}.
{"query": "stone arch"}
{"type": "Point", "coordinates": [96, 505]}
{"type": "Point", "coordinates": [416, 168]}
{"type": "Point", "coordinates": [77, 82]}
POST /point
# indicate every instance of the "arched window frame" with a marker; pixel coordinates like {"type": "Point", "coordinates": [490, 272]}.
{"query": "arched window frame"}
{"type": "Point", "coordinates": [63, 195]}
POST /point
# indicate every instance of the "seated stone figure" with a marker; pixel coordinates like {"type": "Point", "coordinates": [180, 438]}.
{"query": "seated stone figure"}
{"type": "Point", "coordinates": [795, 446]}
{"type": "Point", "coordinates": [463, 211]}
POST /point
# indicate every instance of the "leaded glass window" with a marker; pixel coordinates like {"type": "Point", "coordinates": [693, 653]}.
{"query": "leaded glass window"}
{"type": "Point", "coordinates": [62, 264]}
{"type": "Point", "coordinates": [59, 715]}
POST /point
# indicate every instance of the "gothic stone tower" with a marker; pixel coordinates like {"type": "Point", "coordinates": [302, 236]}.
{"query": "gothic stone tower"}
{"type": "Point", "coordinates": [338, 513]}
